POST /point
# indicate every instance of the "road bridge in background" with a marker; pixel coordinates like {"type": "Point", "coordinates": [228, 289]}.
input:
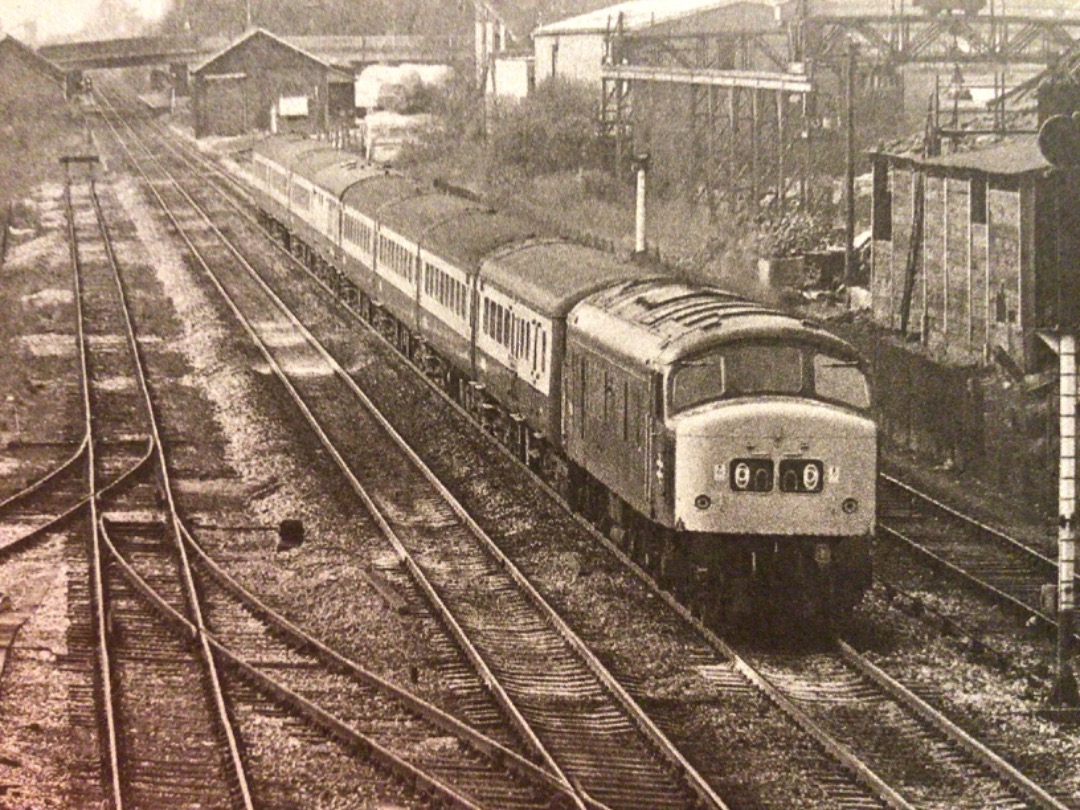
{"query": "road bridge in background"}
{"type": "Point", "coordinates": [350, 51]}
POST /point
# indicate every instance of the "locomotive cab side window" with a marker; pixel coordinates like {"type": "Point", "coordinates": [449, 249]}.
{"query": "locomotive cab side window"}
{"type": "Point", "coordinates": [840, 381]}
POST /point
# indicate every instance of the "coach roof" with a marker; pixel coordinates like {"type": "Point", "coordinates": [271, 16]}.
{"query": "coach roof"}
{"type": "Point", "coordinates": [285, 150]}
{"type": "Point", "coordinates": [551, 275]}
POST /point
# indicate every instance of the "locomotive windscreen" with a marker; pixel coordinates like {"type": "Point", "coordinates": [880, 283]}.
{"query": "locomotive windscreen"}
{"type": "Point", "coordinates": [754, 369]}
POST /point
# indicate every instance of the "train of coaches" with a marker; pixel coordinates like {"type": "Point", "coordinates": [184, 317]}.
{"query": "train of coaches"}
{"type": "Point", "coordinates": [726, 445]}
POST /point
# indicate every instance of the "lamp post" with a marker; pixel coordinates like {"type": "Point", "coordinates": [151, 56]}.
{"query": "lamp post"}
{"type": "Point", "coordinates": [849, 165]}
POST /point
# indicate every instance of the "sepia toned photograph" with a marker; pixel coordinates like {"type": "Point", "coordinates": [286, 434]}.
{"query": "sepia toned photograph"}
{"type": "Point", "coordinates": [539, 404]}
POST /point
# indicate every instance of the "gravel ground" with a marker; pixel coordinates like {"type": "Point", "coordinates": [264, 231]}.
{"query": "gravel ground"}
{"type": "Point", "coordinates": [39, 415]}
{"type": "Point", "coordinates": [250, 469]}
{"type": "Point", "coordinates": [1001, 703]}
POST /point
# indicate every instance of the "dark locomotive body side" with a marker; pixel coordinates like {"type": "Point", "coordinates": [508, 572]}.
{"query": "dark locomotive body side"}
{"type": "Point", "coordinates": [571, 357]}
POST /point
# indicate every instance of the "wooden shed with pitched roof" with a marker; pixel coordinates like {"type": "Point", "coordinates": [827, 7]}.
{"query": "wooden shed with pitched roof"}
{"type": "Point", "coordinates": [262, 82]}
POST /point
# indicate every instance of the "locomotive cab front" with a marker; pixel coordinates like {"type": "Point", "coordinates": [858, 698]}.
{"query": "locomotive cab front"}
{"type": "Point", "coordinates": [773, 461]}
{"type": "Point", "coordinates": [728, 446]}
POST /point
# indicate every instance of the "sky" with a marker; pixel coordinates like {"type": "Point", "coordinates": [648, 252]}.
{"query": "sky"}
{"type": "Point", "coordinates": [57, 17]}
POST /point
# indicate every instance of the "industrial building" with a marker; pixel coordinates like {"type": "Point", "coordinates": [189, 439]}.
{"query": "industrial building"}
{"type": "Point", "coordinates": [576, 48]}
{"type": "Point", "coordinates": [975, 251]}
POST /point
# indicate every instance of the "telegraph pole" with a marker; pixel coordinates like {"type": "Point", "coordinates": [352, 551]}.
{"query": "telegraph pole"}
{"type": "Point", "coordinates": [849, 165]}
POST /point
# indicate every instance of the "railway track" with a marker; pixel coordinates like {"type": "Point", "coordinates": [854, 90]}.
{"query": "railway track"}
{"type": "Point", "coordinates": [148, 764]}
{"type": "Point", "coordinates": [966, 760]}
{"type": "Point", "coordinates": [573, 716]}
{"type": "Point", "coordinates": [1011, 571]}
{"type": "Point", "coordinates": [331, 693]}
{"type": "Point", "coordinates": [928, 760]}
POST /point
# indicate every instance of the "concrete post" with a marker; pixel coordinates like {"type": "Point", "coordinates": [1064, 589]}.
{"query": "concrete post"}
{"type": "Point", "coordinates": [1065, 691]}
{"type": "Point", "coordinates": [641, 165]}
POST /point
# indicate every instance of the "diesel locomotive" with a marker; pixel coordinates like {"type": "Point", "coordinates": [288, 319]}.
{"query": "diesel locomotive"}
{"type": "Point", "coordinates": [727, 446]}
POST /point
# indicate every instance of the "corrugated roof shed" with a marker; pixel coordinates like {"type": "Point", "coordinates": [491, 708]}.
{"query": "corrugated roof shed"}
{"type": "Point", "coordinates": [1020, 156]}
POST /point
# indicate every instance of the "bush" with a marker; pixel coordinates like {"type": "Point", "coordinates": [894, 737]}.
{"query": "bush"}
{"type": "Point", "coordinates": [458, 120]}
{"type": "Point", "coordinates": [552, 130]}
{"type": "Point", "coordinates": [793, 233]}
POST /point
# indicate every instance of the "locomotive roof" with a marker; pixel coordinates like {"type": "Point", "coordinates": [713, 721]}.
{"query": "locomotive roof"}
{"type": "Point", "coordinates": [552, 275]}
{"type": "Point", "coordinates": [657, 322]}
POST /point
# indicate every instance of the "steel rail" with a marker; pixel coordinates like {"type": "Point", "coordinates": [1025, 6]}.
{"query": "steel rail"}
{"type": "Point", "coordinates": [217, 693]}
{"type": "Point", "coordinates": [429, 711]}
{"type": "Point", "coordinates": [967, 576]}
{"type": "Point", "coordinates": [488, 678]}
{"type": "Point", "coordinates": [111, 743]}
{"type": "Point", "coordinates": [985, 528]}
{"type": "Point", "coordinates": [660, 742]}
{"type": "Point", "coordinates": [951, 730]}
{"type": "Point", "coordinates": [17, 497]}
{"type": "Point", "coordinates": [328, 722]}
{"type": "Point", "coordinates": [9, 548]}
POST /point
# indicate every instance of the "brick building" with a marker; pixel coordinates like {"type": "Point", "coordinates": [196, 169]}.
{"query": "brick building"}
{"type": "Point", "coordinates": [263, 82]}
{"type": "Point", "coordinates": [975, 251]}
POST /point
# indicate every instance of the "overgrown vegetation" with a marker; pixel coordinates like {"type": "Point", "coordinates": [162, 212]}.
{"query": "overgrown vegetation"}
{"type": "Point", "coordinates": [793, 233]}
{"type": "Point", "coordinates": [554, 130]}
{"type": "Point", "coordinates": [545, 158]}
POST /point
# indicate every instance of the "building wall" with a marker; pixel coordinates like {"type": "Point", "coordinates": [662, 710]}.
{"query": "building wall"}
{"type": "Point", "coordinates": [510, 77]}
{"type": "Point", "coordinates": [227, 106]}
{"type": "Point", "coordinates": [569, 56]}
{"type": "Point", "coordinates": [223, 107]}
{"type": "Point", "coordinates": [975, 275]}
